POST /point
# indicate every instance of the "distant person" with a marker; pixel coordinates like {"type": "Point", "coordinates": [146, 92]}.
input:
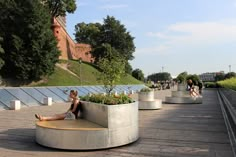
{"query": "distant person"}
{"type": "Point", "coordinates": [200, 85]}
{"type": "Point", "coordinates": [71, 113]}
{"type": "Point", "coordinates": [191, 88]}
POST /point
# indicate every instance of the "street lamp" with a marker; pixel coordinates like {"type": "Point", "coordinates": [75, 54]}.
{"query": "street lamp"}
{"type": "Point", "coordinates": [80, 77]}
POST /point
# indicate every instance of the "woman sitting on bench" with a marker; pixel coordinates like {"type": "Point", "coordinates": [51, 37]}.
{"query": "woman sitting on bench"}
{"type": "Point", "coordinates": [72, 112]}
{"type": "Point", "coordinates": [191, 88]}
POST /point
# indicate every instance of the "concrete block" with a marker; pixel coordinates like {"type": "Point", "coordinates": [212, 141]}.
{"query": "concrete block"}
{"type": "Point", "coordinates": [132, 92]}
{"type": "Point", "coordinates": [15, 104]}
{"type": "Point", "coordinates": [47, 101]}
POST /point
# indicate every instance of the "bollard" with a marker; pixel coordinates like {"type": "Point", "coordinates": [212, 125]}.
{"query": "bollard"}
{"type": "Point", "coordinates": [47, 101]}
{"type": "Point", "coordinates": [15, 104]}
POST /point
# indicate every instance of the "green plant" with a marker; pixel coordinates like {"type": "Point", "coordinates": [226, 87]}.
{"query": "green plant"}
{"type": "Point", "coordinates": [228, 83]}
{"type": "Point", "coordinates": [112, 67]}
{"type": "Point", "coordinates": [111, 99]}
{"type": "Point", "coordinates": [146, 89]}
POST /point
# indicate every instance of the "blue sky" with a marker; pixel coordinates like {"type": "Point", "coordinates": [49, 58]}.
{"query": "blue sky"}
{"type": "Point", "coordinates": [196, 36]}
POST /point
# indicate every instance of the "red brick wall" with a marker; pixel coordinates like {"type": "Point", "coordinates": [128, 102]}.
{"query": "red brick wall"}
{"type": "Point", "coordinates": [69, 49]}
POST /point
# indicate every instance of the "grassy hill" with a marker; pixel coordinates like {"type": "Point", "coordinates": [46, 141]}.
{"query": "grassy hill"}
{"type": "Point", "coordinates": [228, 83]}
{"type": "Point", "coordinates": [67, 73]}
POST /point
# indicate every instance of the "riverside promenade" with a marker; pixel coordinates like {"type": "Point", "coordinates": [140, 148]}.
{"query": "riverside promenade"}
{"type": "Point", "coordinates": [177, 130]}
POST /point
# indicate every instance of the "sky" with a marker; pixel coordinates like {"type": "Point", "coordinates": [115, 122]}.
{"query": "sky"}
{"type": "Point", "coordinates": [173, 36]}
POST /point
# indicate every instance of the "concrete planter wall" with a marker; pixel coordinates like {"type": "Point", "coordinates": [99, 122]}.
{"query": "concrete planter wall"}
{"type": "Point", "coordinates": [146, 96]}
{"type": "Point", "coordinates": [147, 101]}
{"type": "Point", "coordinates": [182, 87]}
{"type": "Point", "coordinates": [118, 126]}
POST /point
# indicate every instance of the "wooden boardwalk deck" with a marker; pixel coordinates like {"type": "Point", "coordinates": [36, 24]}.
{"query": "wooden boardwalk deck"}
{"type": "Point", "coordinates": [177, 130]}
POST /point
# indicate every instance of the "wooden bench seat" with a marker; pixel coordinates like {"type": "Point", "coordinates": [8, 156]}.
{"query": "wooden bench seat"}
{"type": "Point", "coordinates": [79, 124]}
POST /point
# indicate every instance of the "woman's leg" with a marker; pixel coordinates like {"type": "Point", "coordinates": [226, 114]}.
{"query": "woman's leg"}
{"type": "Point", "coordinates": [54, 117]}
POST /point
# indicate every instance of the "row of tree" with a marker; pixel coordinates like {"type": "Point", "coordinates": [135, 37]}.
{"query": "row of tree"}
{"type": "Point", "coordinates": [222, 76]}
{"type": "Point", "coordinates": [163, 76]}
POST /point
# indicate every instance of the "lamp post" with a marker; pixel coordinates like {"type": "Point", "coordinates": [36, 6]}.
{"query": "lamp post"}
{"type": "Point", "coordinates": [80, 77]}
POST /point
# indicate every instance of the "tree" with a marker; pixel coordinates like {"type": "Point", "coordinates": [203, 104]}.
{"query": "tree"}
{"type": "Point", "coordinates": [219, 77]}
{"type": "Point", "coordinates": [111, 32]}
{"type": "Point", "coordinates": [230, 75]}
{"type": "Point", "coordinates": [31, 49]}
{"type": "Point", "coordinates": [138, 74]}
{"type": "Point", "coordinates": [182, 77]}
{"type": "Point", "coordinates": [195, 78]}
{"type": "Point", "coordinates": [112, 68]}
{"type": "Point", "coordinates": [88, 33]}
{"type": "Point", "coordinates": [1, 54]}
{"type": "Point", "coordinates": [128, 68]}
{"type": "Point", "coordinates": [60, 7]}
{"type": "Point", "coordinates": [163, 76]}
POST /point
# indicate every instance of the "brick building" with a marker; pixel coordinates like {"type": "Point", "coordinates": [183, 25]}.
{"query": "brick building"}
{"type": "Point", "coordinates": [68, 47]}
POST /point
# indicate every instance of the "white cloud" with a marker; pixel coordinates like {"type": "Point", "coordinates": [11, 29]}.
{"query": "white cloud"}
{"type": "Point", "coordinates": [113, 6]}
{"type": "Point", "coordinates": [194, 35]}
{"type": "Point", "coordinates": [158, 34]}
{"type": "Point", "coordinates": [157, 50]}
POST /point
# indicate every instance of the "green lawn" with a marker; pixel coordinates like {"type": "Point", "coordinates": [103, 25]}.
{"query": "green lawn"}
{"type": "Point", "coordinates": [228, 83]}
{"type": "Point", "coordinates": [61, 78]}
{"type": "Point", "coordinates": [88, 76]}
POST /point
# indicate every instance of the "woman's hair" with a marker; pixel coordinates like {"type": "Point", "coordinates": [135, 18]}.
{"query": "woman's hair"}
{"type": "Point", "coordinates": [74, 92]}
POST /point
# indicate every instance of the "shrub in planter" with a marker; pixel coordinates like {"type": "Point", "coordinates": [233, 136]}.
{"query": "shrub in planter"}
{"type": "Point", "coordinates": [111, 99]}
{"type": "Point", "coordinates": [146, 94]}
{"type": "Point", "coordinates": [146, 89]}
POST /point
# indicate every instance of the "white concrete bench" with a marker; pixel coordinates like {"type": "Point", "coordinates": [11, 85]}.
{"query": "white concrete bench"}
{"type": "Point", "coordinates": [102, 126]}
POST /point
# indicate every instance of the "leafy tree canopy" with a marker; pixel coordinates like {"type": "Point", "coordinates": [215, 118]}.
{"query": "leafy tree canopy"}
{"type": "Point", "coordinates": [220, 77]}
{"type": "Point", "coordinates": [195, 78]}
{"type": "Point", "coordinates": [163, 76]}
{"type": "Point", "coordinates": [30, 49]}
{"type": "Point", "coordinates": [111, 32]}
{"type": "Point", "coordinates": [230, 75]}
{"type": "Point", "coordinates": [60, 7]}
{"type": "Point", "coordinates": [1, 54]}
{"type": "Point", "coordinates": [128, 68]}
{"type": "Point", "coordinates": [182, 77]}
{"type": "Point", "coordinates": [138, 74]}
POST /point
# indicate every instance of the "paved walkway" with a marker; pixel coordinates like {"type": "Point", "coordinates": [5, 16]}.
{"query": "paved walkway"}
{"type": "Point", "coordinates": [175, 131]}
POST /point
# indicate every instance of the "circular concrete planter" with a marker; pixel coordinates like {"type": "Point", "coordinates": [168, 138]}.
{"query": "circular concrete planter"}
{"type": "Point", "coordinates": [146, 96]}
{"type": "Point", "coordinates": [181, 87]}
{"type": "Point", "coordinates": [112, 126]}
{"type": "Point", "coordinates": [147, 101]}
{"type": "Point", "coordinates": [182, 96]}
{"type": "Point", "coordinates": [150, 105]}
